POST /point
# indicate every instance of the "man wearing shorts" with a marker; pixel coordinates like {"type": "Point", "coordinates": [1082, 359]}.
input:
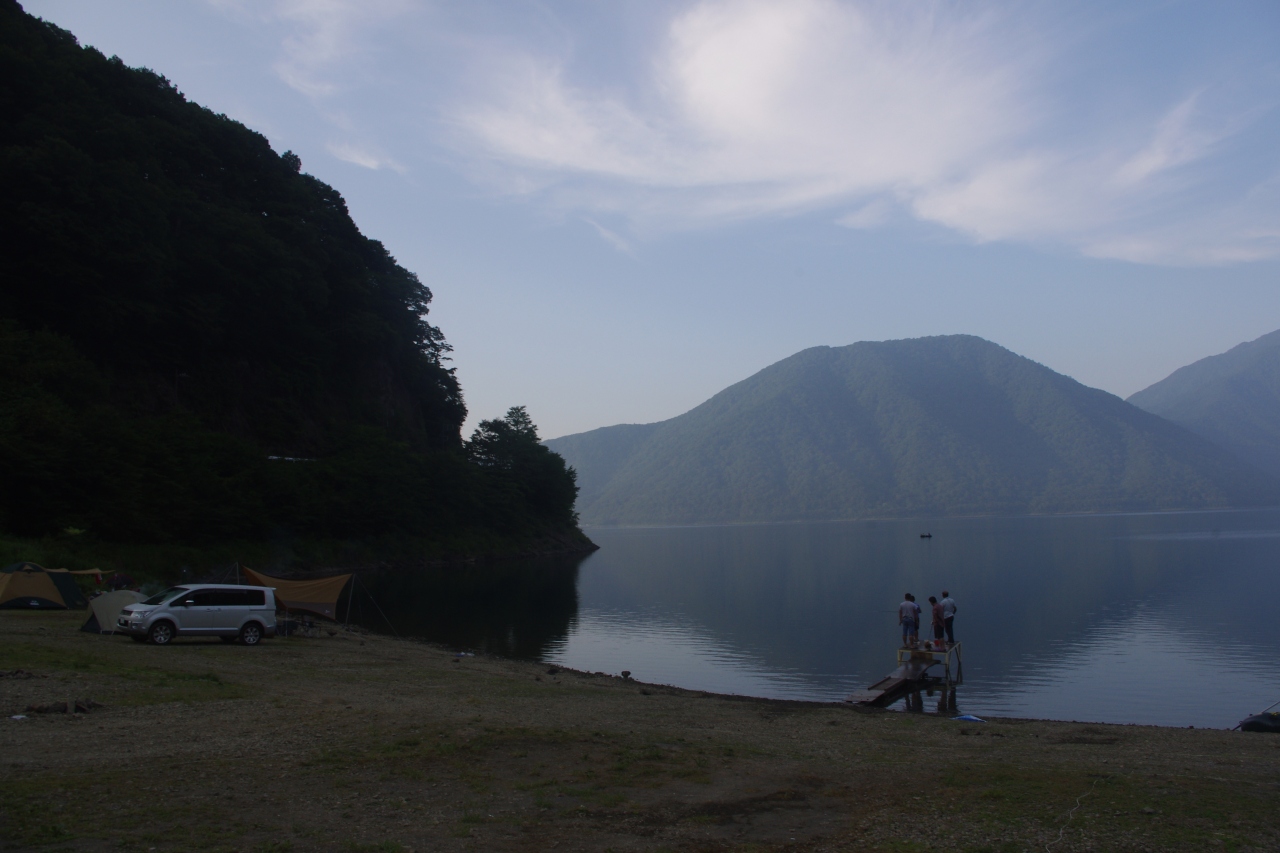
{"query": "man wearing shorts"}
{"type": "Point", "coordinates": [909, 619]}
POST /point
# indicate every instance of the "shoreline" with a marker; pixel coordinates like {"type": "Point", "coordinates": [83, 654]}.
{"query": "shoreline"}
{"type": "Point", "coordinates": [978, 516]}
{"type": "Point", "coordinates": [173, 562]}
{"type": "Point", "coordinates": [349, 741]}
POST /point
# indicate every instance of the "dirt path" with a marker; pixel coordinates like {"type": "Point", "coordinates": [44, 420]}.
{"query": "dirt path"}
{"type": "Point", "coordinates": [351, 743]}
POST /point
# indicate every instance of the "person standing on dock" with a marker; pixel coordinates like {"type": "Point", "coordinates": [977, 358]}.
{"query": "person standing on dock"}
{"type": "Point", "coordinates": [936, 613]}
{"type": "Point", "coordinates": [909, 618]}
{"type": "Point", "coordinates": [949, 616]}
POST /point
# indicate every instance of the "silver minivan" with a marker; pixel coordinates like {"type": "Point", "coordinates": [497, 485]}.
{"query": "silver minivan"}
{"type": "Point", "coordinates": [246, 613]}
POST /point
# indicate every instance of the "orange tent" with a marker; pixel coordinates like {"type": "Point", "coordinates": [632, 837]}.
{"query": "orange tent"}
{"type": "Point", "coordinates": [317, 595]}
{"type": "Point", "coordinates": [28, 585]}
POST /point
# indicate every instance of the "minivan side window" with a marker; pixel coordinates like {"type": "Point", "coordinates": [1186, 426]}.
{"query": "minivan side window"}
{"type": "Point", "coordinates": [237, 597]}
{"type": "Point", "coordinates": [171, 592]}
{"type": "Point", "coordinates": [202, 598]}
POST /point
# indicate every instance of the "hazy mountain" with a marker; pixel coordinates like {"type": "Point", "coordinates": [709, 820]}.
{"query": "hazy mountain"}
{"type": "Point", "coordinates": [933, 425]}
{"type": "Point", "coordinates": [1233, 399]}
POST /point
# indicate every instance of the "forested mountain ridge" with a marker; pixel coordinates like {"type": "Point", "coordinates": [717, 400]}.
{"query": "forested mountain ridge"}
{"type": "Point", "coordinates": [181, 306]}
{"type": "Point", "coordinates": [1232, 399]}
{"type": "Point", "coordinates": [191, 262]}
{"type": "Point", "coordinates": [945, 425]}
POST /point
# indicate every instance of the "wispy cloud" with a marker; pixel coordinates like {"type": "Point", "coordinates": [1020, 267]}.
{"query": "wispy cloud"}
{"type": "Point", "coordinates": [322, 35]}
{"type": "Point", "coordinates": [363, 156]}
{"type": "Point", "coordinates": [871, 110]}
{"type": "Point", "coordinates": [776, 106]}
{"type": "Point", "coordinates": [756, 108]}
{"type": "Point", "coordinates": [612, 238]}
{"type": "Point", "coordinates": [870, 215]}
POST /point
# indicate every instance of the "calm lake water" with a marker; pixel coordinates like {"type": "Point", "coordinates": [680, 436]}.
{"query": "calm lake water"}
{"type": "Point", "coordinates": [1172, 619]}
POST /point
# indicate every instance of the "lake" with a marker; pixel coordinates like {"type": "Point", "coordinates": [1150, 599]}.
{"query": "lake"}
{"type": "Point", "coordinates": [1166, 618]}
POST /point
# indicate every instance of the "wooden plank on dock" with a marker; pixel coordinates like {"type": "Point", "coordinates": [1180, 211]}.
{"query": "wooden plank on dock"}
{"type": "Point", "coordinates": [864, 697]}
{"type": "Point", "coordinates": [888, 689]}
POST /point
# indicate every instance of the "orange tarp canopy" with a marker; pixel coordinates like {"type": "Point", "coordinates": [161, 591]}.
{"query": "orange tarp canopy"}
{"type": "Point", "coordinates": [319, 595]}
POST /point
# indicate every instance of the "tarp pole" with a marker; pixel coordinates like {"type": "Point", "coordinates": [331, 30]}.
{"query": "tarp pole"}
{"type": "Point", "coordinates": [384, 616]}
{"type": "Point", "coordinates": [350, 592]}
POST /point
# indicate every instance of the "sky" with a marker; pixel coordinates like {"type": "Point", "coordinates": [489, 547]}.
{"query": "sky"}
{"type": "Point", "coordinates": [623, 207]}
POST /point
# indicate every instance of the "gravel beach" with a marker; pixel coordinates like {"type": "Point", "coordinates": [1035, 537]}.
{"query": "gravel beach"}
{"type": "Point", "coordinates": [356, 742]}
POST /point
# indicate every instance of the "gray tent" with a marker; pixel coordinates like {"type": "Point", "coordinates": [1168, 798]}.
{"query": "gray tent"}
{"type": "Point", "coordinates": [104, 609]}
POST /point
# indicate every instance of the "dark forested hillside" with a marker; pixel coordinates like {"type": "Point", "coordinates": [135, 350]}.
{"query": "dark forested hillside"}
{"type": "Point", "coordinates": [1232, 399]}
{"type": "Point", "coordinates": [933, 425]}
{"type": "Point", "coordinates": [180, 303]}
{"type": "Point", "coordinates": [193, 264]}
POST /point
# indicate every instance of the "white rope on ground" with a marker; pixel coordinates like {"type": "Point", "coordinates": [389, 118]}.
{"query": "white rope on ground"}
{"type": "Point", "coordinates": [1070, 815]}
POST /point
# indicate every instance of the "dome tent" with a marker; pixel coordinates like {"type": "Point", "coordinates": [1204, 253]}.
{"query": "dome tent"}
{"type": "Point", "coordinates": [28, 586]}
{"type": "Point", "coordinates": [104, 609]}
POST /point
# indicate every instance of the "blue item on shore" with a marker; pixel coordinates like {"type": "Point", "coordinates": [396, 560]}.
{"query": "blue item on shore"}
{"type": "Point", "coordinates": [969, 718]}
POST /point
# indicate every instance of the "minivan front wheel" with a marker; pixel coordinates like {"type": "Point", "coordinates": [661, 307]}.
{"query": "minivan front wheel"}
{"type": "Point", "coordinates": [250, 634]}
{"type": "Point", "coordinates": [161, 633]}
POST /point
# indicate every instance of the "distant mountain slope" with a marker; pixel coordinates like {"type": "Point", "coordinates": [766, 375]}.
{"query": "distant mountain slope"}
{"type": "Point", "coordinates": [1233, 399]}
{"type": "Point", "coordinates": [600, 453]}
{"type": "Point", "coordinates": [932, 425]}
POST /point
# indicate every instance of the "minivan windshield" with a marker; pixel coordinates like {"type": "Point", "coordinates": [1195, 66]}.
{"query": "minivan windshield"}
{"type": "Point", "coordinates": [168, 595]}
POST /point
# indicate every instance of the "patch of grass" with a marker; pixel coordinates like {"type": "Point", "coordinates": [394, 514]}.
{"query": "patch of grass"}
{"type": "Point", "coordinates": [34, 804]}
{"type": "Point", "coordinates": [149, 685]}
{"type": "Point", "coordinates": [595, 795]}
{"type": "Point", "coordinates": [274, 847]}
{"type": "Point", "coordinates": [1188, 813]}
{"type": "Point", "coordinates": [50, 833]}
{"type": "Point", "coordinates": [374, 847]}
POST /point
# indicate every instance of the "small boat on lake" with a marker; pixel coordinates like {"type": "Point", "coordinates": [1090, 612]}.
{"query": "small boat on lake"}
{"type": "Point", "coordinates": [926, 535]}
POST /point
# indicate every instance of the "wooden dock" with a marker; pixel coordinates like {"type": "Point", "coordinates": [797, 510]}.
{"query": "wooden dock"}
{"type": "Point", "coordinates": [918, 669]}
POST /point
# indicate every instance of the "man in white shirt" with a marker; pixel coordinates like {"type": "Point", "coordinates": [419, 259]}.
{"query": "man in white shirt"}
{"type": "Point", "coordinates": [909, 619]}
{"type": "Point", "coordinates": [948, 616]}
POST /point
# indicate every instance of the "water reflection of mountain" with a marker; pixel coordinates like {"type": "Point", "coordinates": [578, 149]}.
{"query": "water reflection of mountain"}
{"type": "Point", "coordinates": [821, 598]}
{"type": "Point", "coordinates": [1126, 618]}
{"type": "Point", "coordinates": [515, 608]}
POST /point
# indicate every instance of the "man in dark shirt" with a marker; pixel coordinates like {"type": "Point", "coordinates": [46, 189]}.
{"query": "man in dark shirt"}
{"type": "Point", "coordinates": [936, 618]}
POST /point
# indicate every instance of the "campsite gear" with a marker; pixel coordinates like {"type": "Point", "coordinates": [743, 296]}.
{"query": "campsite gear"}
{"type": "Point", "coordinates": [119, 581]}
{"type": "Point", "coordinates": [105, 609]}
{"type": "Point", "coordinates": [71, 706]}
{"type": "Point", "coordinates": [316, 595]}
{"type": "Point", "coordinates": [28, 586]}
{"type": "Point", "coordinates": [1267, 722]}
{"type": "Point", "coordinates": [968, 718]}
{"type": "Point", "coordinates": [203, 610]}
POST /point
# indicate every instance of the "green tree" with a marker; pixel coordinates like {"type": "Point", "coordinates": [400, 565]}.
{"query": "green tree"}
{"type": "Point", "coordinates": [510, 448]}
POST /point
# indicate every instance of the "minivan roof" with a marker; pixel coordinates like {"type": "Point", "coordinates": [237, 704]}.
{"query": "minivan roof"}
{"type": "Point", "coordinates": [218, 586]}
